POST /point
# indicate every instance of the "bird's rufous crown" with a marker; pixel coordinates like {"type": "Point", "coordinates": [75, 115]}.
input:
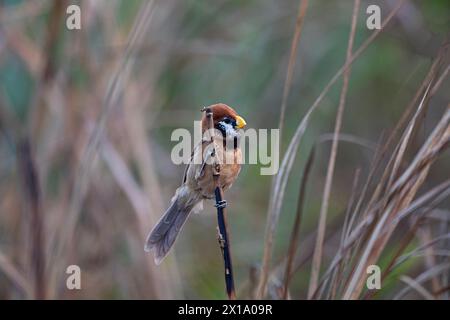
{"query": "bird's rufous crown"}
{"type": "Point", "coordinates": [220, 111]}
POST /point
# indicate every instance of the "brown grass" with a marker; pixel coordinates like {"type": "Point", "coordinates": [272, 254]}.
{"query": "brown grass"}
{"type": "Point", "coordinates": [278, 191]}
{"type": "Point", "coordinates": [317, 258]}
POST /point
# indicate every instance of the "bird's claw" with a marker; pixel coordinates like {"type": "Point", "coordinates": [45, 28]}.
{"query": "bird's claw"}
{"type": "Point", "coordinates": [220, 239]}
{"type": "Point", "coordinates": [221, 204]}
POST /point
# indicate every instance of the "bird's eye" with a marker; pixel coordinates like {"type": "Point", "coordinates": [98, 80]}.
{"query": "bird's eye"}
{"type": "Point", "coordinates": [227, 120]}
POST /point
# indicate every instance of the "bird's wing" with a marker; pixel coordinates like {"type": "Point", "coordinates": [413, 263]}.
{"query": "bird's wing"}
{"type": "Point", "coordinates": [200, 146]}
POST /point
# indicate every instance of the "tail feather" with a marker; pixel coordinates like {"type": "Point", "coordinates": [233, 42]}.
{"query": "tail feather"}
{"type": "Point", "coordinates": [164, 234]}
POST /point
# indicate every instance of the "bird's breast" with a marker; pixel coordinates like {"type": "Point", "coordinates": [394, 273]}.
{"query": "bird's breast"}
{"type": "Point", "coordinates": [200, 176]}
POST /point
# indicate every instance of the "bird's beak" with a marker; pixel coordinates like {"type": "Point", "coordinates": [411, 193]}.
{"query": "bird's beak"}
{"type": "Point", "coordinates": [240, 122]}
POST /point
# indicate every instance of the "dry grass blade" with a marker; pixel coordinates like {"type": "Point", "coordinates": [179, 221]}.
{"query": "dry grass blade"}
{"type": "Point", "coordinates": [437, 194]}
{"type": "Point", "coordinates": [317, 258]}
{"type": "Point", "coordinates": [420, 251]}
{"type": "Point", "coordinates": [11, 272]}
{"type": "Point", "coordinates": [293, 243]}
{"type": "Point", "coordinates": [292, 59]}
{"type": "Point", "coordinates": [354, 214]}
{"type": "Point", "coordinates": [432, 73]}
{"type": "Point", "coordinates": [277, 194]}
{"type": "Point", "coordinates": [167, 278]}
{"type": "Point", "coordinates": [439, 81]}
{"type": "Point", "coordinates": [140, 204]}
{"type": "Point", "coordinates": [125, 179]}
{"type": "Point", "coordinates": [418, 287]}
{"type": "Point", "coordinates": [407, 136]}
{"type": "Point", "coordinates": [337, 274]}
{"type": "Point", "coordinates": [437, 254]}
{"type": "Point", "coordinates": [416, 251]}
{"type": "Point", "coordinates": [444, 228]}
{"type": "Point", "coordinates": [32, 193]}
{"type": "Point", "coordinates": [403, 245]}
{"type": "Point", "coordinates": [436, 143]}
{"type": "Point", "coordinates": [344, 137]}
{"type": "Point", "coordinates": [398, 154]}
{"type": "Point", "coordinates": [399, 197]}
{"type": "Point", "coordinates": [118, 80]}
{"type": "Point", "coordinates": [434, 197]}
{"type": "Point", "coordinates": [425, 276]}
{"type": "Point", "coordinates": [351, 201]}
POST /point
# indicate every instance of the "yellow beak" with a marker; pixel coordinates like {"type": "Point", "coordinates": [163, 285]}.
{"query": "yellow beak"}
{"type": "Point", "coordinates": [240, 122]}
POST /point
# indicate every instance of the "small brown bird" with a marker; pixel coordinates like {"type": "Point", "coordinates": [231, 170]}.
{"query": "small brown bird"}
{"type": "Point", "coordinates": [198, 183]}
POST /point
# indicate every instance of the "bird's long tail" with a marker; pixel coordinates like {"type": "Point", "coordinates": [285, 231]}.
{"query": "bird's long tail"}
{"type": "Point", "coordinates": [165, 232]}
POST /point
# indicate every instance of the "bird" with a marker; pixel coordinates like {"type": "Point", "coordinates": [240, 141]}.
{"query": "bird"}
{"type": "Point", "coordinates": [198, 183]}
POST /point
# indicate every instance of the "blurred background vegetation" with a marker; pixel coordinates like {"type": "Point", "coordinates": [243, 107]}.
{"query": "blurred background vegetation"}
{"type": "Point", "coordinates": [86, 118]}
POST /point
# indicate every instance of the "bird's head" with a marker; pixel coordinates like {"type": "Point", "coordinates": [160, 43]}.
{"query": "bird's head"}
{"type": "Point", "coordinates": [225, 119]}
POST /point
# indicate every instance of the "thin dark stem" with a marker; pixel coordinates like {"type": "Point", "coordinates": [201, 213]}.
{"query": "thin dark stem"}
{"type": "Point", "coordinates": [224, 243]}
{"type": "Point", "coordinates": [221, 214]}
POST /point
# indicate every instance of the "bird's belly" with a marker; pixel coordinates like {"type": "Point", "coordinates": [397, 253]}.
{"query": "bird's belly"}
{"type": "Point", "coordinates": [228, 174]}
{"type": "Point", "coordinates": [205, 182]}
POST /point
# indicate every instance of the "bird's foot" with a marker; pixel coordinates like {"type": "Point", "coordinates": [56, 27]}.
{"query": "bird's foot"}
{"type": "Point", "coordinates": [220, 239]}
{"type": "Point", "coordinates": [221, 204]}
